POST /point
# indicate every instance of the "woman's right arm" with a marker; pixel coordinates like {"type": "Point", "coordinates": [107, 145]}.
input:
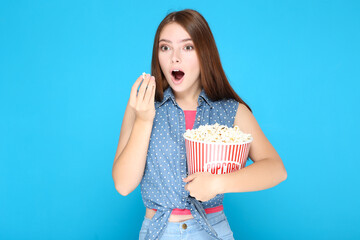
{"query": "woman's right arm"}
{"type": "Point", "coordinates": [130, 157]}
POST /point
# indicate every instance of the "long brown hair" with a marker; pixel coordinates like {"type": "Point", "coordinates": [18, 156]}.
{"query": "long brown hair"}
{"type": "Point", "coordinates": [212, 76]}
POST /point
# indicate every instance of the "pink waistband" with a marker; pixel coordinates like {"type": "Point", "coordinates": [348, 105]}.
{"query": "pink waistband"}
{"type": "Point", "coordinates": [178, 211]}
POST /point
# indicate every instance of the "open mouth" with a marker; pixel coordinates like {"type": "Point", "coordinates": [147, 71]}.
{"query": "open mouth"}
{"type": "Point", "coordinates": [177, 74]}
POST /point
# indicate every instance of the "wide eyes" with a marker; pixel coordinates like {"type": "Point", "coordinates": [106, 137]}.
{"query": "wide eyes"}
{"type": "Point", "coordinates": [165, 48]}
{"type": "Point", "coordinates": [189, 47]}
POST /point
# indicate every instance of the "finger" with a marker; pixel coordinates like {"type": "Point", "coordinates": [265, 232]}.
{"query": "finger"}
{"type": "Point", "coordinates": [190, 177]}
{"type": "Point", "coordinates": [134, 88]}
{"type": "Point", "coordinates": [152, 98]}
{"type": "Point", "coordinates": [143, 87]}
{"type": "Point", "coordinates": [150, 90]}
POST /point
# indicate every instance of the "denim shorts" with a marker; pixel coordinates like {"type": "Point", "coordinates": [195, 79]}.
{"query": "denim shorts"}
{"type": "Point", "coordinates": [175, 230]}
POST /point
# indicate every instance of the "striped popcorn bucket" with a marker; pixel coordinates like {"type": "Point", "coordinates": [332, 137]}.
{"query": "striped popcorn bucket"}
{"type": "Point", "coordinates": [216, 158]}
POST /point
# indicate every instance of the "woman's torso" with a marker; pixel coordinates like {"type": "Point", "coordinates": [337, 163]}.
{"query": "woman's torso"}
{"type": "Point", "coordinates": [161, 186]}
{"type": "Point", "coordinates": [189, 122]}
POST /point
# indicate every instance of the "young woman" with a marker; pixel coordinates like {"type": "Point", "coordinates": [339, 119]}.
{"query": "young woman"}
{"type": "Point", "coordinates": [188, 88]}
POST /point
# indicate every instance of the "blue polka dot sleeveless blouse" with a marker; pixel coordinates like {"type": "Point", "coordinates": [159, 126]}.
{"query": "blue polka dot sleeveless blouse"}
{"type": "Point", "coordinates": [162, 187]}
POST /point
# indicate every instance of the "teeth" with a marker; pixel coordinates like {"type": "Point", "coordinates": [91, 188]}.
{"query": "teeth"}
{"type": "Point", "coordinates": [176, 70]}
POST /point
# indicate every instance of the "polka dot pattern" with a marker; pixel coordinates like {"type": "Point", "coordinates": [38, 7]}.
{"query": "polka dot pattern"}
{"type": "Point", "coordinates": [162, 187]}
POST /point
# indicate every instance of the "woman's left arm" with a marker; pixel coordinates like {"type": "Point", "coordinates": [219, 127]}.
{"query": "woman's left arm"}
{"type": "Point", "coordinates": [267, 170]}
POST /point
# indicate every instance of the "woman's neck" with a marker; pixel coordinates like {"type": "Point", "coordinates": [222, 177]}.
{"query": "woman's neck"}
{"type": "Point", "coordinates": [188, 100]}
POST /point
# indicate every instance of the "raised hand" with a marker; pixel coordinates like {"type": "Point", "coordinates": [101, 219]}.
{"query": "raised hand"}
{"type": "Point", "coordinates": [142, 101]}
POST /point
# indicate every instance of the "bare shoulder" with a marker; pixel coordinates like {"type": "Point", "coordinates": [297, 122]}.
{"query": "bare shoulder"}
{"type": "Point", "coordinates": [244, 119]}
{"type": "Point", "coordinates": [261, 148]}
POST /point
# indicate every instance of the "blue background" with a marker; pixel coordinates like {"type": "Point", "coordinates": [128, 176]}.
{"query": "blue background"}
{"type": "Point", "coordinates": [66, 69]}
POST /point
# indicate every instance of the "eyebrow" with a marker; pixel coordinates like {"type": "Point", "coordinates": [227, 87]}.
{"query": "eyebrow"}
{"type": "Point", "coordinates": [168, 41]}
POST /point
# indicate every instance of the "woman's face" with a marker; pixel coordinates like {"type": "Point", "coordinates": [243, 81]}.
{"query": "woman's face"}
{"type": "Point", "coordinates": [178, 59]}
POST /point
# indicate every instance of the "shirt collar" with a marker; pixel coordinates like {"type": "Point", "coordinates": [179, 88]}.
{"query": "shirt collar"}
{"type": "Point", "coordinates": [168, 94]}
{"type": "Point", "coordinates": [206, 98]}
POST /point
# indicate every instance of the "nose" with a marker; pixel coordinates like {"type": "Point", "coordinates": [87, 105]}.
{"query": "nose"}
{"type": "Point", "coordinates": [175, 58]}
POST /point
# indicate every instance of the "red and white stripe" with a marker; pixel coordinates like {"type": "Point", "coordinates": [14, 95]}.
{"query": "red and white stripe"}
{"type": "Point", "coordinates": [214, 157]}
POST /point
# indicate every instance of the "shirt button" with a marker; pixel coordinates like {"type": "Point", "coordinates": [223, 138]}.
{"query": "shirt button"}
{"type": "Point", "coordinates": [184, 226]}
{"type": "Point", "coordinates": [182, 156]}
{"type": "Point", "coordinates": [198, 119]}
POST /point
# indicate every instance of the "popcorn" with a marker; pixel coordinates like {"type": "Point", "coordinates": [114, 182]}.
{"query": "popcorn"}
{"type": "Point", "coordinates": [217, 133]}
